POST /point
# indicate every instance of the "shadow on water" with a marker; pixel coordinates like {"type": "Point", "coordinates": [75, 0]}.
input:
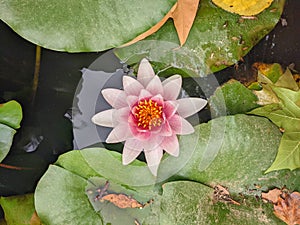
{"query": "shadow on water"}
{"type": "Point", "coordinates": [46, 132]}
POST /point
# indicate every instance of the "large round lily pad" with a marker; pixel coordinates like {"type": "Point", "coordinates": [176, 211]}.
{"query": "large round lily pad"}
{"type": "Point", "coordinates": [81, 26]}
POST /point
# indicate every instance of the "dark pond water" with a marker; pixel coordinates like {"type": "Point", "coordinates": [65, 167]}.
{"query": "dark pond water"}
{"type": "Point", "coordinates": [46, 132]}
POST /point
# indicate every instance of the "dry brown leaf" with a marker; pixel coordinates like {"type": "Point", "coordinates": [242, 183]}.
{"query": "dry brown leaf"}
{"type": "Point", "coordinates": [153, 29]}
{"type": "Point", "coordinates": [122, 201]}
{"type": "Point", "coordinates": [288, 208]}
{"type": "Point", "coordinates": [184, 16]}
{"type": "Point", "coordinates": [35, 220]}
{"type": "Point", "coordinates": [183, 13]}
{"type": "Point", "coordinates": [272, 196]}
{"type": "Point", "coordinates": [221, 194]}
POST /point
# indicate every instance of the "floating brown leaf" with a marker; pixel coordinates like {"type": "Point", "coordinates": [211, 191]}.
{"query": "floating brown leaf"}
{"type": "Point", "coordinates": [221, 194]}
{"type": "Point", "coordinates": [122, 201]}
{"type": "Point", "coordinates": [288, 208]}
{"type": "Point", "coordinates": [184, 16]}
{"type": "Point", "coordinates": [272, 195]}
{"type": "Point", "coordinates": [35, 220]}
{"type": "Point", "coordinates": [183, 13]}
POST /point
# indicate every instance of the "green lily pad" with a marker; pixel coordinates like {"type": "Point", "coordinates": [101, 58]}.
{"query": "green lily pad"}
{"type": "Point", "coordinates": [185, 202]}
{"type": "Point", "coordinates": [232, 98]}
{"type": "Point", "coordinates": [10, 119]}
{"type": "Point", "coordinates": [77, 26]}
{"type": "Point", "coordinates": [60, 198]}
{"type": "Point", "coordinates": [235, 151]}
{"type": "Point", "coordinates": [11, 114]}
{"type": "Point", "coordinates": [18, 209]}
{"type": "Point", "coordinates": [217, 39]}
{"type": "Point", "coordinates": [286, 115]}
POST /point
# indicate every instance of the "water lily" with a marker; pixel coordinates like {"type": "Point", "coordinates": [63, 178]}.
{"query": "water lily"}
{"type": "Point", "coordinates": [147, 115]}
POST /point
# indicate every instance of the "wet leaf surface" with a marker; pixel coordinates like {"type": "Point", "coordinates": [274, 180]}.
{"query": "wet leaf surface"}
{"type": "Point", "coordinates": [185, 202]}
{"type": "Point", "coordinates": [231, 98]}
{"type": "Point", "coordinates": [217, 39]}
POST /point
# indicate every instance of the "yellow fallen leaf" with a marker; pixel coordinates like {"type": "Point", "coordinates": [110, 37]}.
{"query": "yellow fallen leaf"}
{"type": "Point", "coordinates": [183, 14]}
{"type": "Point", "coordinates": [243, 7]}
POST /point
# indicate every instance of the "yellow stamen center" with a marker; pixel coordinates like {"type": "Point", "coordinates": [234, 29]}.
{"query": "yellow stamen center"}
{"type": "Point", "coordinates": [148, 114]}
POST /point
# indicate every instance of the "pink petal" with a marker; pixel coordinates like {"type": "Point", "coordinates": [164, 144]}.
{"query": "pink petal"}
{"type": "Point", "coordinates": [121, 115]}
{"type": "Point", "coordinates": [166, 129]}
{"type": "Point", "coordinates": [153, 159]}
{"type": "Point", "coordinates": [189, 106]}
{"type": "Point", "coordinates": [120, 133]}
{"type": "Point", "coordinates": [170, 108]}
{"type": "Point", "coordinates": [144, 94]}
{"type": "Point", "coordinates": [104, 118]}
{"type": "Point", "coordinates": [158, 98]}
{"type": "Point", "coordinates": [129, 154]}
{"type": "Point", "coordinates": [132, 100]}
{"type": "Point", "coordinates": [172, 87]}
{"type": "Point", "coordinates": [171, 145]}
{"type": "Point", "coordinates": [132, 86]}
{"type": "Point", "coordinates": [155, 86]}
{"type": "Point", "coordinates": [134, 144]}
{"type": "Point", "coordinates": [180, 125]}
{"type": "Point", "coordinates": [145, 72]}
{"type": "Point", "coordinates": [115, 97]}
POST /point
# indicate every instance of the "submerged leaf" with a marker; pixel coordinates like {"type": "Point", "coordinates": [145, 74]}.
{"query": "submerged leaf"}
{"type": "Point", "coordinates": [243, 7]}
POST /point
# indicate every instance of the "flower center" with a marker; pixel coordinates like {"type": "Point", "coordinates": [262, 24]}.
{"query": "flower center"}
{"type": "Point", "coordinates": [148, 114]}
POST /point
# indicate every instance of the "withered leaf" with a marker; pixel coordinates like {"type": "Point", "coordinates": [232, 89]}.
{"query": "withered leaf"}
{"type": "Point", "coordinates": [183, 14]}
{"type": "Point", "coordinates": [288, 208]}
{"type": "Point", "coordinates": [221, 194]}
{"type": "Point", "coordinates": [35, 220]}
{"type": "Point", "coordinates": [183, 17]}
{"type": "Point", "coordinates": [122, 201]}
{"type": "Point", "coordinates": [272, 195]}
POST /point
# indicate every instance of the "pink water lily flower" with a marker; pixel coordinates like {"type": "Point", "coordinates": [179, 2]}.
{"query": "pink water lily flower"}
{"type": "Point", "coordinates": [147, 115]}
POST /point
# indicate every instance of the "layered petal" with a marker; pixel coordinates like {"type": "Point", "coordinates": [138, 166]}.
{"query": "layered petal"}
{"type": "Point", "coordinates": [120, 133]}
{"type": "Point", "coordinates": [170, 108]}
{"type": "Point", "coordinates": [190, 106]}
{"type": "Point", "coordinates": [180, 125]}
{"type": "Point", "coordinates": [155, 86]}
{"type": "Point", "coordinates": [171, 145]}
{"type": "Point", "coordinates": [132, 86]}
{"type": "Point", "coordinates": [145, 72]}
{"type": "Point", "coordinates": [131, 150]}
{"type": "Point", "coordinates": [153, 159]}
{"type": "Point", "coordinates": [172, 87]}
{"type": "Point", "coordinates": [104, 118]}
{"type": "Point", "coordinates": [121, 115]}
{"type": "Point", "coordinates": [115, 97]}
